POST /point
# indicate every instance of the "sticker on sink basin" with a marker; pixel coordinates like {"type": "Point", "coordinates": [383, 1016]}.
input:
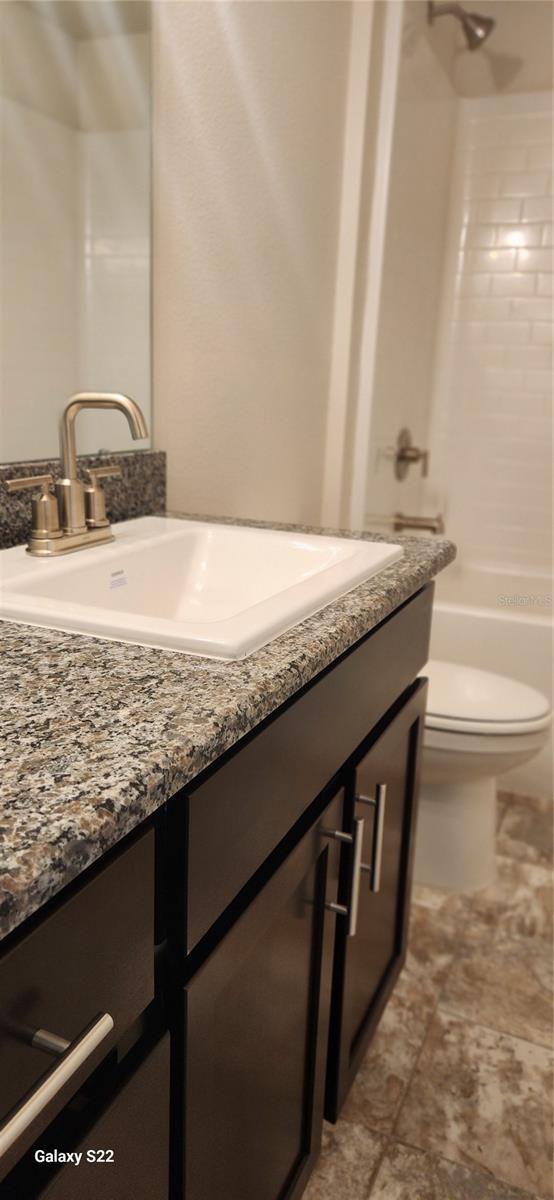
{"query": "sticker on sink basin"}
{"type": "Point", "coordinates": [118, 579]}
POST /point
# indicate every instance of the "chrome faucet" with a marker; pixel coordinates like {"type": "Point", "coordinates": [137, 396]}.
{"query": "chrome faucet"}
{"type": "Point", "coordinates": [75, 517]}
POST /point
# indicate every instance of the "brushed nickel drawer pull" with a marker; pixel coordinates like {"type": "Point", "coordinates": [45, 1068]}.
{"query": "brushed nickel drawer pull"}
{"type": "Point", "coordinates": [377, 802]}
{"type": "Point", "coordinates": [339, 836]}
{"type": "Point", "coordinates": [36, 1101]}
{"type": "Point", "coordinates": [356, 875]}
{"type": "Point", "coordinates": [42, 1039]}
{"type": "Point", "coordinates": [377, 855]}
{"type": "Point", "coordinates": [351, 910]}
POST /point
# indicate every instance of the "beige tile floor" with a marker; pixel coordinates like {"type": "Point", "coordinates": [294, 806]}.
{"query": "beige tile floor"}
{"type": "Point", "coordinates": [454, 1098]}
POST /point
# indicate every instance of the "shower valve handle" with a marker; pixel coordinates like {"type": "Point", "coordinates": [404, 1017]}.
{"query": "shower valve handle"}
{"type": "Point", "coordinates": [406, 453]}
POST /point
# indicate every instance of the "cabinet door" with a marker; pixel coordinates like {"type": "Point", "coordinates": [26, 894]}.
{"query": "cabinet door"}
{"type": "Point", "coordinates": [255, 1019]}
{"type": "Point", "coordinates": [384, 793]}
{"type": "Point", "coordinates": [132, 1130]}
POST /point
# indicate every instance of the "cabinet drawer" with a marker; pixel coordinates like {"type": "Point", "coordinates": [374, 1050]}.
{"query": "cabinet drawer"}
{"type": "Point", "coordinates": [132, 1131]}
{"type": "Point", "coordinates": [240, 814]}
{"type": "Point", "coordinates": [93, 955]}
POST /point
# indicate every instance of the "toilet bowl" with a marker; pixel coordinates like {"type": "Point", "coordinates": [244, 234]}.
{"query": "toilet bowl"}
{"type": "Point", "coordinates": [477, 726]}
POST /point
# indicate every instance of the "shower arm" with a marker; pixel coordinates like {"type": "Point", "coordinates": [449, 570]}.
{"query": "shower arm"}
{"type": "Point", "coordinates": [476, 27]}
{"type": "Point", "coordinates": [443, 8]}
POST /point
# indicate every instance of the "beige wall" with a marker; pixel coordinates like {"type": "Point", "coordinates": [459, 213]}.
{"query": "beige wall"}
{"type": "Point", "coordinates": [248, 126]}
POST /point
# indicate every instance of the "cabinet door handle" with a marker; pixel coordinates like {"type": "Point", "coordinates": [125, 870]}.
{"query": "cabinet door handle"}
{"type": "Point", "coordinates": [356, 875]}
{"type": "Point", "coordinates": [377, 851]}
{"type": "Point", "coordinates": [377, 802]}
{"type": "Point", "coordinates": [351, 910]}
{"type": "Point", "coordinates": [339, 836]}
{"type": "Point", "coordinates": [37, 1100]}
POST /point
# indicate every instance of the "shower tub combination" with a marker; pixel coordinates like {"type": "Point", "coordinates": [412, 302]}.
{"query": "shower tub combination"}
{"type": "Point", "coordinates": [488, 720]}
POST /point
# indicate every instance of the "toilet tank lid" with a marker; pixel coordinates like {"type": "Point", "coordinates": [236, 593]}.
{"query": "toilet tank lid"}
{"type": "Point", "coordinates": [461, 693]}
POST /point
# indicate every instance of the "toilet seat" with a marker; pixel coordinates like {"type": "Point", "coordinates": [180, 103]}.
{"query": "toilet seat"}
{"type": "Point", "coordinates": [471, 742]}
{"type": "Point", "coordinates": [466, 700]}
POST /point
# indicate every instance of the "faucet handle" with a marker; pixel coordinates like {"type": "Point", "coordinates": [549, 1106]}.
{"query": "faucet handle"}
{"type": "Point", "coordinates": [96, 473]}
{"type": "Point", "coordinates": [95, 500]}
{"type": "Point", "coordinates": [46, 517]}
{"type": "Point", "coordinates": [405, 453]}
{"type": "Point", "coordinates": [28, 481]}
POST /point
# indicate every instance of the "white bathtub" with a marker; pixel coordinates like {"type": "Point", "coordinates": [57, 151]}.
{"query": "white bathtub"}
{"type": "Point", "coordinates": [501, 622]}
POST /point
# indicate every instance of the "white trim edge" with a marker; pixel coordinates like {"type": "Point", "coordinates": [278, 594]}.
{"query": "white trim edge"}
{"type": "Point", "coordinates": [375, 256]}
{"type": "Point", "coordinates": [347, 255]}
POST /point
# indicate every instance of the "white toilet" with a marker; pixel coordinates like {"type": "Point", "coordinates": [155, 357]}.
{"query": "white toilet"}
{"type": "Point", "coordinates": [477, 726]}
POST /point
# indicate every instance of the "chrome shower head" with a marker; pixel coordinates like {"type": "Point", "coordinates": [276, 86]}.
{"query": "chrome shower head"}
{"type": "Point", "coordinates": [476, 27]}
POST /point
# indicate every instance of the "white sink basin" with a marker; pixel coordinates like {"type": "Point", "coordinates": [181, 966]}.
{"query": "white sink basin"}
{"type": "Point", "coordinates": [216, 590]}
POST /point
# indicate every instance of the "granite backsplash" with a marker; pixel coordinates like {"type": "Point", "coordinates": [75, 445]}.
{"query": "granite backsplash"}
{"type": "Point", "coordinates": [139, 492]}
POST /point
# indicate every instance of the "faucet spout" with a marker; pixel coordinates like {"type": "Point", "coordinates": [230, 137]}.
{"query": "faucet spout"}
{"type": "Point", "coordinates": [125, 404]}
{"type": "Point", "coordinates": [69, 489]}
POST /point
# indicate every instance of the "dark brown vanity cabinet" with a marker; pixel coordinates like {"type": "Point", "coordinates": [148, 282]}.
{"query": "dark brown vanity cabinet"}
{"type": "Point", "coordinates": [77, 995]}
{"type": "Point", "coordinates": [232, 957]}
{"type": "Point", "coordinates": [383, 793]}
{"type": "Point", "coordinates": [71, 987]}
{"type": "Point", "coordinates": [129, 1141]}
{"type": "Point", "coordinates": [255, 1020]}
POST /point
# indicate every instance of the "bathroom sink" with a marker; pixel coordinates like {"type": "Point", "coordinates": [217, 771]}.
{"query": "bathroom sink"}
{"type": "Point", "coordinates": [216, 590]}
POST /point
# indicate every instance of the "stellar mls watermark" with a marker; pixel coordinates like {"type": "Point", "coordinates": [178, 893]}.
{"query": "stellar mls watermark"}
{"type": "Point", "coordinates": [524, 600]}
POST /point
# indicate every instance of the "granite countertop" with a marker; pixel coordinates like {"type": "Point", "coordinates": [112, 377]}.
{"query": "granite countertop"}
{"type": "Point", "coordinates": [97, 735]}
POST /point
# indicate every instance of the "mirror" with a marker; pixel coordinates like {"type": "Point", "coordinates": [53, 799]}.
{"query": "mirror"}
{"type": "Point", "coordinates": [74, 218]}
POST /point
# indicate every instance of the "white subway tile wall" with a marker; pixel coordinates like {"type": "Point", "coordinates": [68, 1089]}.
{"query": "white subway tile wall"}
{"type": "Point", "coordinates": [492, 412]}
